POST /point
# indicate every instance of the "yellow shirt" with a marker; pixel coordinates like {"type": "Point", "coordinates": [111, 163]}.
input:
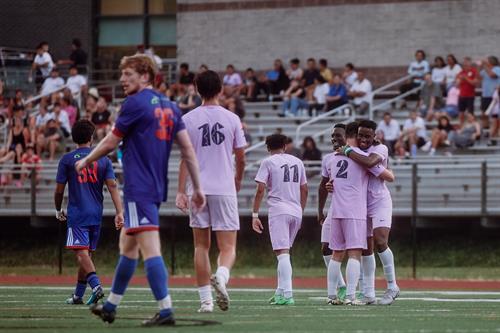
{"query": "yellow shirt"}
{"type": "Point", "coordinates": [326, 74]}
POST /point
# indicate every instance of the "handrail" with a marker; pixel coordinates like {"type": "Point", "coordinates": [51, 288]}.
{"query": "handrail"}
{"type": "Point", "coordinates": [385, 87]}
{"type": "Point", "coordinates": [36, 98]}
{"type": "Point", "coordinates": [392, 100]}
{"type": "Point", "coordinates": [320, 117]}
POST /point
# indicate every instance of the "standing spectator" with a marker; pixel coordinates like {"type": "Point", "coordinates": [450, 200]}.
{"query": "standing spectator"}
{"type": "Point", "coordinates": [295, 72]}
{"type": "Point", "coordinates": [250, 85]}
{"type": "Point", "coordinates": [325, 72]}
{"type": "Point", "coordinates": [294, 99]}
{"type": "Point", "coordinates": [319, 95]}
{"type": "Point", "coordinates": [361, 91]}
{"type": "Point", "coordinates": [468, 79]}
{"type": "Point", "coordinates": [42, 64]}
{"type": "Point", "coordinates": [72, 111]}
{"type": "Point", "coordinates": [337, 94]}
{"type": "Point", "coordinates": [440, 134]}
{"type": "Point", "coordinates": [190, 101]}
{"type": "Point", "coordinates": [468, 134]}
{"type": "Point", "coordinates": [490, 75]}
{"type": "Point", "coordinates": [452, 69]}
{"type": "Point", "coordinates": [388, 132]}
{"type": "Point", "coordinates": [76, 83]}
{"type": "Point", "coordinates": [77, 57]}
{"type": "Point", "coordinates": [417, 69]}
{"type": "Point", "coordinates": [309, 77]}
{"type": "Point", "coordinates": [291, 149]}
{"type": "Point", "coordinates": [232, 82]}
{"type": "Point", "coordinates": [452, 98]}
{"type": "Point", "coordinates": [431, 98]}
{"type": "Point", "coordinates": [101, 119]}
{"type": "Point", "coordinates": [413, 136]}
{"type": "Point", "coordinates": [52, 83]}
{"type": "Point", "coordinates": [349, 75]}
{"type": "Point", "coordinates": [439, 73]}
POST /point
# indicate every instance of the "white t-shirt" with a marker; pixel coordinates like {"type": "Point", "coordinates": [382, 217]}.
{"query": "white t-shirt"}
{"type": "Point", "coordinates": [63, 119]}
{"type": "Point", "coordinates": [295, 73]}
{"type": "Point", "coordinates": [350, 79]}
{"type": "Point", "coordinates": [41, 120]}
{"type": "Point", "coordinates": [438, 74]}
{"type": "Point", "coordinates": [320, 93]}
{"type": "Point", "coordinates": [232, 80]}
{"type": "Point", "coordinates": [364, 86]}
{"type": "Point", "coordinates": [52, 84]}
{"type": "Point", "coordinates": [391, 131]}
{"type": "Point", "coordinates": [419, 124]}
{"type": "Point", "coordinates": [418, 69]}
{"type": "Point", "coordinates": [42, 59]}
{"type": "Point", "coordinates": [75, 83]}
{"type": "Point", "coordinates": [451, 73]}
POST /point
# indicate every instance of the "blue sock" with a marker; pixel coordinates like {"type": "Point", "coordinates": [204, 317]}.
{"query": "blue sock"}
{"type": "Point", "coordinates": [93, 280]}
{"type": "Point", "coordinates": [80, 288]}
{"type": "Point", "coordinates": [123, 273]}
{"type": "Point", "coordinates": [156, 273]}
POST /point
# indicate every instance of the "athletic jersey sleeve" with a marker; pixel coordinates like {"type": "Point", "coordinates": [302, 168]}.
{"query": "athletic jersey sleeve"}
{"type": "Point", "coordinates": [381, 150]}
{"type": "Point", "coordinates": [377, 170]}
{"type": "Point", "coordinates": [263, 173]}
{"type": "Point", "coordinates": [239, 135]}
{"type": "Point", "coordinates": [303, 177]}
{"type": "Point", "coordinates": [179, 122]}
{"type": "Point", "coordinates": [62, 175]}
{"type": "Point", "coordinates": [127, 119]}
{"type": "Point", "coordinates": [109, 174]}
{"type": "Point", "coordinates": [324, 168]}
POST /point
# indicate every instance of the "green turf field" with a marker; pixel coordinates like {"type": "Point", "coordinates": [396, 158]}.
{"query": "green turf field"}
{"type": "Point", "coordinates": [43, 310]}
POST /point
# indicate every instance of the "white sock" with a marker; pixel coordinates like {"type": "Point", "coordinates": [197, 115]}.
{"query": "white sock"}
{"type": "Point", "coordinates": [341, 280]}
{"type": "Point", "coordinates": [361, 281]}
{"type": "Point", "coordinates": [205, 293]}
{"type": "Point", "coordinates": [369, 265]}
{"type": "Point", "coordinates": [352, 274]}
{"type": "Point", "coordinates": [165, 303]}
{"type": "Point", "coordinates": [279, 288]}
{"type": "Point", "coordinates": [327, 260]}
{"type": "Point", "coordinates": [285, 274]}
{"type": "Point", "coordinates": [114, 299]}
{"type": "Point", "coordinates": [387, 259]}
{"type": "Point", "coordinates": [223, 272]}
{"type": "Point", "coordinates": [333, 277]}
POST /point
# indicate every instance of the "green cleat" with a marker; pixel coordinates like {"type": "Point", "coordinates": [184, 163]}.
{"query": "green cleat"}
{"type": "Point", "coordinates": [96, 296]}
{"type": "Point", "coordinates": [280, 300]}
{"type": "Point", "coordinates": [341, 292]}
{"type": "Point", "coordinates": [360, 295]}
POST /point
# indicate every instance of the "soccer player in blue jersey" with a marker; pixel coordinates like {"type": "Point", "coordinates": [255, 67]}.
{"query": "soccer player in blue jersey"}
{"type": "Point", "coordinates": [85, 207]}
{"type": "Point", "coordinates": [147, 124]}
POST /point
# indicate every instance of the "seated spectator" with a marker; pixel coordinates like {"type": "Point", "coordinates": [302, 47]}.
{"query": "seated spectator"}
{"type": "Point", "coordinates": [76, 82]}
{"type": "Point", "coordinates": [319, 96]}
{"type": "Point", "coordinates": [249, 85]}
{"type": "Point", "coordinates": [277, 80]}
{"type": "Point", "coordinates": [451, 70]}
{"type": "Point", "coordinates": [452, 96]}
{"type": "Point", "coordinates": [440, 134]}
{"type": "Point", "coordinates": [232, 82]}
{"type": "Point", "coordinates": [30, 161]}
{"type": "Point", "coordinates": [52, 83]}
{"type": "Point", "coordinates": [101, 119]}
{"type": "Point", "coordinates": [361, 91]}
{"type": "Point", "coordinates": [468, 80]}
{"type": "Point", "coordinates": [431, 98]}
{"type": "Point", "coordinates": [325, 72]}
{"type": "Point", "coordinates": [295, 72]}
{"type": "Point", "coordinates": [291, 149]}
{"type": "Point", "coordinates": [43, 117]}
{"type": "Point", "coordinates": [388, 132]}
{"type": "Point", "coordinates": [42, 64]}
{"type": "Point", "coordinates": [337, 94]}
{"type": "Point", "coordinates": [468, 134]}
{"type": "Point", "coordinates": [309, 77]}
{"type": "Point", "coordinates": [490, 75]}
{"type": "Point", "coordinates": [413, 136]}
{"type": "Point", "coordinates": [439, 73]}
{"type": "Point", "coordinates": [417, 69]}
{"type": "Point", "coordinates": [77, 57]}
{"type": "Point", "coordinates": [189, 101]}
{"type": "Point", "coordinates": [185, 79]}
{"type": "Point", "coordinates": [16, 142]}
{"type": "Point", "coordinates": [50, 140]}
{"type": "Point", "coordinates": [69, 109]}
{"type": "Point", "coordinates": [294, 99]}
{"type": "Point", "coordinates": [62, 120]}
{"type": "Point", "coordinates": [493, 111]}
{"type": "Point", "coordinates": [349, 76]}
{"type": "Point", "coordinates": [91, 103]}
{"type": "Point", "coordinates": [310, 151]}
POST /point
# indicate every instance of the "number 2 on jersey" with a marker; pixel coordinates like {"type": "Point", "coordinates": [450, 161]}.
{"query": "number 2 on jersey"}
{"type": "Point", "coordinates": [88, 174]}
{"type": "Point", "coordinates": [342, 173]}
{"type": "Point", "coordinates": [286, 173]}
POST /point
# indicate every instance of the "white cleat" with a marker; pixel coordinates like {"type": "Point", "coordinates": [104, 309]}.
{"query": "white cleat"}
{"type": "Point", "coordinates": [222, 298]}
{"type": "Point", "coordinates": [206, 307]}
{"type": "Point", "coordinates": [389, 296]}
{"type": "Point", "coordinates": [352, 300]}
{"type": "Point", "coordinates": [368, 300]}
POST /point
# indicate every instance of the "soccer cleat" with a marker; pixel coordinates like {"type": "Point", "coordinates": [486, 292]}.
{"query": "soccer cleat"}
{"type": "Point", "coordinates": [206, 307]}
{"type": "Point", "coordinates": [98, 310]}
{"type": "Point", "coordinates": [335, 300]}
{"type": "Point", "coordinates": [280, 300]}
{"type": "Point", "coordinates": [97, 294]}
{"type": "Point", "coordinates": [158, 320]}
{"type": "Point", "coordinates": [368, 300]}
{"type": "Point", "coordinates": [341, 292]}
{"type": "Point", "coordinates": [222, 298]}
{"type": "Point", "coordinates": [272, 300]}
{"type": "Point", "coordinates": [389, 296]}
{"type": "Point", "coordinates": [352, 300]}
{"type": "Point", "coordinates": [359, 295]}
{"type": "Point", "coordinates": [74, 300]}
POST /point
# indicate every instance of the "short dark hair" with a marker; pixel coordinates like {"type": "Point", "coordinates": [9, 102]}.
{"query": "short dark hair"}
{"type": "Point", "coordinates": [321, 79]}
{"type": "Point", "coordinates": [368, 124]}
{"type": "Point", "coordinates": [339, 125]}
{"type": "Point", "coordinates": [184, 65]}
{"type": "Point", "coordinates": [208, 84]}
{"type": "Point", "coordinates": [73, 67]}
{"type": "Point", "coordinates": [276, 141]}
{"type": "Point", "coordinates": [387, 113]}
{"type": "Point", "coordinates": [295, 61]}
{"type": "Point", "coordinates": [349, 65]}
{"type": "Point", "coordinates": [77, 42]}
{"type": "Point", "coordinates": [351, 129]}
{"type": "Point", "coordinates": [82, 131]}
{"type": "Point", "coordinates": [311, 59]}
{"type": "Point", "coordinates": [230, 66]}
{"type": "Point", "coordinates": [323, 62]}
{"type": "Point", "coordinates": [422, 52]}
{"type": "Point", "coordinates": [289, 140]}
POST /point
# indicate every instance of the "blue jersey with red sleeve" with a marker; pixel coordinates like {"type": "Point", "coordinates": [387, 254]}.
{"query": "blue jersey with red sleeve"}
{"type": "Point", "coordinates": [148, 123]}
{"type": "Point", "coordinates": [85, 188]}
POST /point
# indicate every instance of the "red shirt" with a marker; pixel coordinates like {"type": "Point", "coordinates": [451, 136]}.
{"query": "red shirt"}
{"type": "Point", "coordinates": [467, 89]}
{"type": "Point", "coordinates": [33, 159]}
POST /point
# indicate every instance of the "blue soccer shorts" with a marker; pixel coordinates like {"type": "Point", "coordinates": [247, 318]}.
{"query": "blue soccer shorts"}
{"type": "Point", "coordinates": [141, 216]}
{"type": "Point", "coordinates": [83, 237]}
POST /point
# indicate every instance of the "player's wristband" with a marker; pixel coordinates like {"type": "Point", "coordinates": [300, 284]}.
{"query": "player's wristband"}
{"type": "Point", "coordinates": [347, 151]}
{"type": "Point", "coordinates": [255, 215]}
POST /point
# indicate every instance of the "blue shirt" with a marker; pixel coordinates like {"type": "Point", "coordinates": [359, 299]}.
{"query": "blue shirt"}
{"type": "Point", "coordinates": [148, 123]}
{"type": "Point", "coordinates": [84, 189]}
{"type": "Point", "coordinates": [338, 90]}
{"type": "Point", "coordinates": [489, 84]}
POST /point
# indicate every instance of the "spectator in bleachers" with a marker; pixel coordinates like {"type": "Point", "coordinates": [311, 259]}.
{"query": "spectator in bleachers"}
{"type": "Point", "coordinates": [295, 72]}
{"type": "Point", "coordinates": [62, 119]}
{"type": "Point", "coordinates": [202, 68]}
{"type": "Point", "coordinates": [468, 79]}
{"type": "Point", "coordinates": [439, 73]}
{"type": "Point", "coordinates": [50, 140]}
{"type": "Point", "coordinates": [30, 161]}
{"type": "Point", "coordinates": [16, 141]}
{"type": "Point", "coordinates": [185, 78]}
{"type": "Point", "coordinates": [69, 109]}
{"type": "Point", "coordinates": [349, 76]}
{"type": "Point", "coordinates": [431, 98]}
{"type": "Point", "coordinates": [361, 92]}
{"type": "Point", "coordinates": [319, 96]}
{"type": "Point", "coordinates": [53, 83]}
{"type": "Point", "coordinates": [337, 94]}
{"type": "Point", "coordinates": [76, 83]}
{"type": "Point", "coordinates": [310, 151]}
{"type": "Point", "coordinates": [77, 57]}
{"type": "Point", "coordinates": [309, 77]}
{"type": "Point", "coordinates": [388, 132]}
{"type": "Point", "coordinates": [452, 69]}
{"type": "Point", "coordinates": [452, 100]}
{"type": "Point", "coordinates": [43, 117]}
{"type": "Point", "coordinates": [250, 85]}
{"type": "Point", "coordinates": [490, 75]}
{"type": "Point", "coordinates": [414, 136]}
{"type": "Point", "coordinates": [417, 69]}
{"type": "Point", "coordinates": [101, 119]}
{"type": "Point", "coordinates": [468, 134]}
{"type": "Point", "coordinates": [493, 112]}
{"type": "Point", "coordinates": [439, 136]}
{"type": "Point", "coordinates": [91, 102]}
{"type": "Point", "coordinates": [291, 149]}
{"type": "Point", "coordinates": [42, 64]}
{"type": "Point", "coordinates": [189, 101]}
{"type": "Point", "coordinates": [18, 98]}
{"type": "Point", "coordinates": [325, 72]}
{"type": "Point", "coordinates": [276, 80]}
{"type": "Point", "coordinates": [294, 99]}
{"type": "Point", "coordinates": [67, 94]}
{"type": "Point", "coordinates": [232, 82]}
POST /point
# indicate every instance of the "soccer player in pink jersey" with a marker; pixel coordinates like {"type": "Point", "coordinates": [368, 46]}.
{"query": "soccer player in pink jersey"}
{"type": "Point", "coordinates": [216, 133]}
{"type": "Point", "coordinates": [284, 176]}
{"type": "Point", "coordinates": [379, 215]}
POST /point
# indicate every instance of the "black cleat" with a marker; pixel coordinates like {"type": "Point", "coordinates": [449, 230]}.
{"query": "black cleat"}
{"type": "Point", "coordinates": [159, 321]}
{"type": "Point", "coordinates": [74, 300]}
{"type": "Point", "coordinates": [98, 310]}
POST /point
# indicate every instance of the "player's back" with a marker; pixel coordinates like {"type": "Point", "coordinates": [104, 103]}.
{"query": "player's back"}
{"type": "Point", "coordinates": [148, 123]}
{"type": "Point", "coordinates": [85, 195]}
{"type": "Point", "coordinates": [215, 132]}
{"type": "Point", "coordinates": [376, 186]}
